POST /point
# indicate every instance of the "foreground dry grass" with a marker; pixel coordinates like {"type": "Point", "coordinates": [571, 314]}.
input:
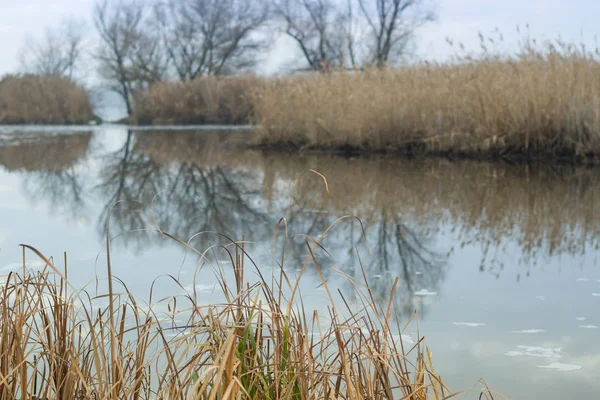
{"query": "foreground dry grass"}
{"type": "Point", "coordinates": [259, 343]}
{"type": "Point", "coordinates": [537, 104]}
{"type": "Point", "coordinates": [206, 100]}
{"type": "Point", "coordinates": [33, 99]}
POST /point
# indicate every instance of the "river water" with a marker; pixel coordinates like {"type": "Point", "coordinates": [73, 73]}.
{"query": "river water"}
{"type": "Point", "coordinates": [500, 261]}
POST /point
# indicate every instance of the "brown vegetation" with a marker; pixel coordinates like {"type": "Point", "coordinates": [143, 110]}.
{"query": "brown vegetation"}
{"type": "Point", "coordinates": [206, 100]}
{"type": "Point", "coordinates": [34, 99]}
{"type": "Point", "coordinates": [258, 343]}
{"type": "Point", "coordinates": [539, 103]}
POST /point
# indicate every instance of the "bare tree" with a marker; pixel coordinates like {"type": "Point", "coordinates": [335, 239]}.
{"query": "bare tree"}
{"type": "Point", "coordinates": [131, 56]}
{"type": "Point", "coordinates": [211, 37]}
{"type": "Point", "coordinates": [355, 33]}
{"type": "Point", "coordinates": [392, 24]}
{"type": "Point", "coordinates": [320, 28]}
{"type": "Point", "coordinates": [58, 53]}
{"type": "Point", "coordinates": [149, 60]}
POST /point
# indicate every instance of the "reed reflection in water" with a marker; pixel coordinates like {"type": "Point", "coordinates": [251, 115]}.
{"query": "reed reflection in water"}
{"type": "Point", "coordinates": [186, 183]}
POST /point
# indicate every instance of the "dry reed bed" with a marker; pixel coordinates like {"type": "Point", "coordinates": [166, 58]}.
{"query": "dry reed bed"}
{"type": "Point", "coordinates": [537, 104]}
{"type": "Point", "coordinates": [205, 100]}
{"type": "Point", "coordinates": [33, 99]}
{"type": "Point", "coordinates": [258, 343]}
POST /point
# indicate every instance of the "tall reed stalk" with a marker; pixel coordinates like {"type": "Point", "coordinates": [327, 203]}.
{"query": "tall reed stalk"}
{"type": "Point", "coordinates": [259, 343]}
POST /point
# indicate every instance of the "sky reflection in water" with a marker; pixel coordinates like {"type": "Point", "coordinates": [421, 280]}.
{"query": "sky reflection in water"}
{"type": "Point", "coordinates": [499, 261]}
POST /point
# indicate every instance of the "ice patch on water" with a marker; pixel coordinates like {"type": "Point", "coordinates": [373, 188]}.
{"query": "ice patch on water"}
{"type": "Point", "coordinates": [535, 351]}
{"type": "Point", "coordinates": [418, 273]}
{"type": "Point", "coordinates": [201, 288]}
{"type": "Point", "coordinates": [588, 326]}
{"type": "Point", "coordinates": [406, 339]}
{"type": "Point", "coordinates": [530, 331]}
{"type": "Point", "coordinates": [10, 206]}
{"type": "Point", "coordinates": [36, 264]}
{"type": "Point", "coordinates": [540, 298]}
{"type": "Point", "coordinates": [470, 324]}
{"type": "Point", "coordinates": [377, 276]}
{"type": "Point", "coordinates": [11, 267]}
{"type": "Point", "coordinates": [424, 292]}
{"type": "Point", "coordinates": [581, 318]}
{"type": "Point", "coordinates": [596, 294]}
{"type": "Point", "coordinates": [582, 280]}
{"type": "Point", "coordinates": [562, 367]}
{"type": "Point", "coordinates": [395, 338]}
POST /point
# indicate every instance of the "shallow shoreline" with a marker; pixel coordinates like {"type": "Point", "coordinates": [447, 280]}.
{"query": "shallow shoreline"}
{"type": "Point", "coordinates": [257, 141]}
{"type": "Point", "coordinates": [411, 153]}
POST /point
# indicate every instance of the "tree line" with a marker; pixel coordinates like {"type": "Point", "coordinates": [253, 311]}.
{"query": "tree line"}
{"type": "Point", "coordinates": [140, 43]}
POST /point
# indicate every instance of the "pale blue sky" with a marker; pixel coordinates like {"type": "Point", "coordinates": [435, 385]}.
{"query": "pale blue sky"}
{"type": "Point", "coordinates": [574, 20]}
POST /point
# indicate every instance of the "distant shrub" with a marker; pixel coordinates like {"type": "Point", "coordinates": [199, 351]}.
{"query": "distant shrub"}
{"type": "Point", "coordinates": [35, 99]}
{"type": "Point", "coordinates": [206, 100]}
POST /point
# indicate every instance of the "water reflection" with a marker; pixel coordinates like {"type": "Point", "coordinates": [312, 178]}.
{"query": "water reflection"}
{"type": "Point", "coordinates": [179, 197]}
{"type": "Point", "coordinates": [43, 152]}
{"type": "Point", "coordinates": [233, 186]}
{"type": "Point", "coordinates": [546, 211]}
{"type": "Point", "coordinates": [195, 182]}
{"type": "Point", "coordinates": [50, 164]}
{"type": "Point", "coordinates": [469, 242]}
{"type": "Point", "coordinates": [188, 182]}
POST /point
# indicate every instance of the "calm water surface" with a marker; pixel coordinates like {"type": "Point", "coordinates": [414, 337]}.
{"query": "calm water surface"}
{"type": "Point", "coordinates": [500, 261]}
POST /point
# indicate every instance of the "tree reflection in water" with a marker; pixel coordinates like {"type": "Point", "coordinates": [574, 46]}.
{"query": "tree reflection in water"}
{"type": "Point", "coordinates": [178, 182]}
{"type": "Point", "coordinates": [392, 250]}
{"type": "Point", "coordinates": [52, 166]}
{"type": "Point", "coordinates": [186, 182]}
{"type": "Point", "coordinates": [199, 190]}
{"type": "Point", "coordinates": [179, 197]}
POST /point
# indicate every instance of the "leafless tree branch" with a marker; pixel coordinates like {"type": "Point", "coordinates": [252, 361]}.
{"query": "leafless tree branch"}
{"type": "Point", "coordinates": [58, 53]}
{"type": "Point", "coordinates": [211, 37]}
{"type": "Point", "coordinates": [320, 28]}
{"type": "Point", "coordinates": [392, 24]}
{"type": "Point", "coordinates": [131, 56]}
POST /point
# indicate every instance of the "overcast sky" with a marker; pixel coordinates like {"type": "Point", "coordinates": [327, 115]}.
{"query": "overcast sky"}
{"type": "Point", "coordinates": [574, 20]}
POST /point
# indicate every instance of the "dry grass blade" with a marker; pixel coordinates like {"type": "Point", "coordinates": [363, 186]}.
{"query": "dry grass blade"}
{"type": "Point", "coordinates": [259, 343]}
